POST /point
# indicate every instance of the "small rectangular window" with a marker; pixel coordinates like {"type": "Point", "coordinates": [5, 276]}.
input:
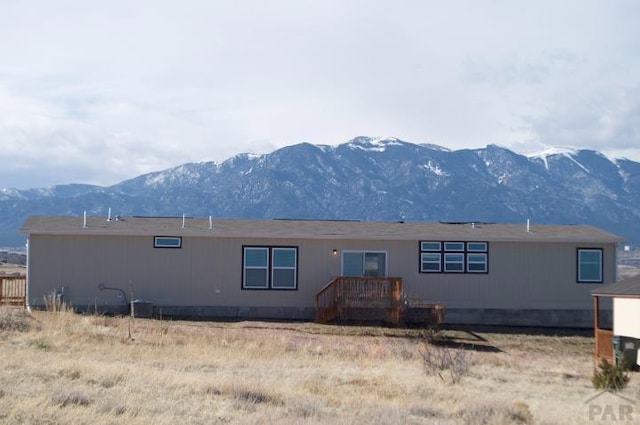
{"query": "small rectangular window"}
{"type": "Point", "coordinates": [167, 242]}
{"type": "Point", "coordinates": [454, 246]}
{"type": "Point", "coordinates": [430, 246]}
{"type": "Point", "coordinates": [590, 265]}
{"type": "Point", "coordinates": [477, 246]}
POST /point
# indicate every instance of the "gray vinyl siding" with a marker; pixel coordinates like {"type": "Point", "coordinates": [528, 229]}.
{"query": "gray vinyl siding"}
{"type": "Point", "coordinates": [207, 271]}
{"type": "Point", "coordinates": [521, 276]}
{"type": "Point", "coordinates": [204, 272]}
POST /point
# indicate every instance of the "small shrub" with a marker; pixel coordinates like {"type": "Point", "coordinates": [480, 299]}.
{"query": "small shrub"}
{"type": "Point", "coordinates": [13, 319]}
{"type": "Point", "coordinates": [253, 396]}
{"type": "Point", "coordinates": [520, 413]}
{"type": "Point", "coordinates": [437, 360]}
{"type": "Point", "coordinates": [67, 398]}
{"type": "Point", "coordinates": [42, 343]}
{"type": "Point", "coordinates": [497, 413]}
{"type": "Point", "coordinates": [610, 376]}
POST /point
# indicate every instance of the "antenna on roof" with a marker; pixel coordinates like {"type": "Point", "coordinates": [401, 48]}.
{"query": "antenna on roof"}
{"type": "Point", "coordinates": [183, 219]}
{"type": "Point", "coordinates": [84, 219]}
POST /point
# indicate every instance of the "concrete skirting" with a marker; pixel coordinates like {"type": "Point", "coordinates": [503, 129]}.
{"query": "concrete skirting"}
{"type": "Point", "coordinates": [498, 317]}
{"type": "Point", "coordinates": [547, 318]}
{"type": "Point", "coordinates": [238, 312]}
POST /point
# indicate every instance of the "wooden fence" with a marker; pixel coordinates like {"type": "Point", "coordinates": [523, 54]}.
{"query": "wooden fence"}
{"type": "Point", "coordinates": [13, 290]}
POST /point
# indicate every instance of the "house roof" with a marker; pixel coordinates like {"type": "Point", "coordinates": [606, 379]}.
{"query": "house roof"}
{"type": "Point", "coordinates": [313, 229]}
{"type": "Point", "coordinates": [629, 287]}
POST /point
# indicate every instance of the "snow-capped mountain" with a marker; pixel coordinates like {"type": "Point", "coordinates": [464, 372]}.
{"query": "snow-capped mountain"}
{"type": "Point", "coordinates": [366, 179]}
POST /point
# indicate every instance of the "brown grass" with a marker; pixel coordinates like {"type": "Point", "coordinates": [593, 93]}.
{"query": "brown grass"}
{"type": "Point", "coordinates": [66, 368]}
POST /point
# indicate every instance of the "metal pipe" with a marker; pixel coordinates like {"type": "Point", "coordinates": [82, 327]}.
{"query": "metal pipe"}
{"type": "Point", "coordinates": [123, 294]}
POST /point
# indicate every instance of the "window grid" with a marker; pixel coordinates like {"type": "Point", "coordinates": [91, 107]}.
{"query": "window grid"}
{"type": "Point", "coordinates": [454, 257]}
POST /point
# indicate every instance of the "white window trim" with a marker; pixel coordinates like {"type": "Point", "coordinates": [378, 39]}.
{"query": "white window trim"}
{"type": "Point", "coordinates": [464, 248]}
{"type": "Point", "coordinates": [444, 246]}
{"type": "Point", "coordinates": [157, 244]}
{"type": "Point", "coordinates": [579, 264]}
{"type": "Point", "coordinates": [445, 262]}
{"type": "Point", "coordinates": [422, 262]}
{"type": "Point", "coordinates": [470, 254]}
{"type": "Point", "coordinates": [269, 268]}
{"type": "Point", "coordinates": [294, 268]}
{"type": "Point", "coordinates": [423, 249]}
{"type": "Point", "coordinates": [245, 267]}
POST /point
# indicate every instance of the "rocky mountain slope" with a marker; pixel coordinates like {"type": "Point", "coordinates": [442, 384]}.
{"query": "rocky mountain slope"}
{"type": "Point", "coordinates": [367, 179]}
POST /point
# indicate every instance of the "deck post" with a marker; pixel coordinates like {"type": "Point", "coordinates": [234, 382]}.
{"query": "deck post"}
{"type": "Point", "coordinates": [596, 324]}
{"type": "Point", "coordinates": [396, 293]}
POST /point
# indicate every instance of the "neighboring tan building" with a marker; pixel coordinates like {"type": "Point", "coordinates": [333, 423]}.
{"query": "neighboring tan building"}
{"type": "Point", "coordinates": [512, 274]}
{"type": "Point", "coordinates": [626, 319]}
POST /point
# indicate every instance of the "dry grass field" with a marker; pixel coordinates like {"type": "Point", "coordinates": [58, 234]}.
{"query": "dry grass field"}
{"type": "Point", "coordinates": [64, 368]}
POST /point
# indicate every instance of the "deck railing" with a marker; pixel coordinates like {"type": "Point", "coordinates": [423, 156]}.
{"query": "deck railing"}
{"type": "Point", "coordinates": [13, 290]}
{"type": "Point", "coordinates": [355, 293]}
{"type": "Point", "coordinates": [604, 345]}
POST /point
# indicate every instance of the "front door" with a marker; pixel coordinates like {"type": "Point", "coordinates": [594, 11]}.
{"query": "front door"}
{"type": "Point", "coordinates": [364, 263]}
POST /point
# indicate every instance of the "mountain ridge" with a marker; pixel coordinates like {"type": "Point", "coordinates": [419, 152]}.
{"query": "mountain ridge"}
{"type": "Point", "coordinates": [368, 179]}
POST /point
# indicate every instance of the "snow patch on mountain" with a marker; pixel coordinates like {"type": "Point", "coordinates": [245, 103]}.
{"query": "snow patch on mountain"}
{"type": "Point", "coordinates": [569, 153]}
{"type": "Point", "coordinates": [434, 168]}
{"type": "Point", "coordinates": [373, 144]}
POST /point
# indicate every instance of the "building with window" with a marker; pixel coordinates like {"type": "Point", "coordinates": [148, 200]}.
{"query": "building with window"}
{"type": "Point", "coordinates": [484, 273]}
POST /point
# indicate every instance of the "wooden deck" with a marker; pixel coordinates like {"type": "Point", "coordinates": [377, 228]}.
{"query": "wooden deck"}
{"type": "Point", "coordinates": [360, 298]}
{"type": "Point", "coordinates": [13, 290]}
{"type": "Point", "coordinates": [373, 299]}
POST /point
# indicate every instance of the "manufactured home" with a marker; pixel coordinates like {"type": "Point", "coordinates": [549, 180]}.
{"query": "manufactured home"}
{"type": "Point", "coordinates": [623, 335]}
{"type": "Point", "coordinates": [484, 273]}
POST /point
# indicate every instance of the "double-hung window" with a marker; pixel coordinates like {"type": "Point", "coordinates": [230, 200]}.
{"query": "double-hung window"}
{"type": "Point", "coordinates": [267, 267]}
{"type": "Point", "coordinates": [477, 257]}
{"type": "Point", "coordinates": [590, 265]}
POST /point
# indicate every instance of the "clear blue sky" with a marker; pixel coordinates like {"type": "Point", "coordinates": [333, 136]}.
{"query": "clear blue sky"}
{"type": "Point", "coordinates": [100, 91]}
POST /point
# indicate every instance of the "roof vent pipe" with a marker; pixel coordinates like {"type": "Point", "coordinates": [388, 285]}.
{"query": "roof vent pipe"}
{"type": "Point", "coordinates": [528, 226]}
{"type": "Point", "coordinates": [210, 223]}
{"type": "Point", "coordinates": [183, 219]}
{"type": "Point", "coordinates": [109, 215]}
{"type": "Point", "coordinates": [84, 220]}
